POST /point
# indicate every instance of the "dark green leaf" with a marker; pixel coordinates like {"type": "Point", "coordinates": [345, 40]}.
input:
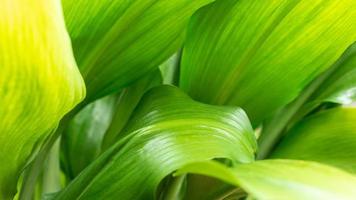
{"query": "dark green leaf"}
{"type": "Point", "coordinates": [82, 138]}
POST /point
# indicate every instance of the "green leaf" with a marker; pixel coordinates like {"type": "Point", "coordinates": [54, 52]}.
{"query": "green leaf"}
{"type": "Point", "coordinates": [282, 179]}
{"type": "Point", "coordinates": [260, 54]}
{"type": "Point", "coordinates": [328, 137]}
{"type": "Point", "coordinates": [116, 42]}
{"type": "Point", "coordinates": [168, 130]}
{"type": "Point", "coordinates": [127, 102]}
{"type": "Point", "coordinates": [39, 82]}
{"type": "Point", "coordinates": [170, 69]}
{"type": "Point", "coordinates": [81, 140]}
{"type": "Point", "coordinates": [337, 84]}
{"type": "Point", "coordinates": [340, 87]}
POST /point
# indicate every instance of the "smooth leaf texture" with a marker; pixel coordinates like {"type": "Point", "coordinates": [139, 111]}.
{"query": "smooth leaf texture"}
{"type": "Point", "coordinates": [260, 54]}
{"type": "Point", "coordinates": [340, 87]}
{"type": "Point", "coordinates": [337, 85]}
{"type": "Point", "coordinates": [127, 102]}
{"type": "Point", "coordinates": [282, 179]}
{"type": "Point", "coordinates": [170, 69]}
{"type": "Point", "coordinates": [116, 42]}
{"type": "Point", "coordinates": [81, 140]}
{"type": "Point", "coordinates": [328, 137]}
{"type": "Point", "coordinates": [39, 81]}
{"type": "Point", "coordinates": [168, 130]}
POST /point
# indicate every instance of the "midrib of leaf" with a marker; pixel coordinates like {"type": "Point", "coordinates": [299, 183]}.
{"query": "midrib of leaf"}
{"type": "Point", "coordinates": [273, 130]}
{"type": "Point", "coordinates": [248, 56]}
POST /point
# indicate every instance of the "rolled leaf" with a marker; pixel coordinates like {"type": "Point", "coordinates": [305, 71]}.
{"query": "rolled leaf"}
{"type": "Point", "coordinates": [116, 42]}
{"type": "Point", "coordinates": [260, 54]}
{"type": "Point", "coordinates": [168, 130]}
{"type": "Point", "coordinates": [39, 81]}
{"type": "Point", "coordinates": [328, 137]}
{"type": "Point", "coordinates": [282, 179]}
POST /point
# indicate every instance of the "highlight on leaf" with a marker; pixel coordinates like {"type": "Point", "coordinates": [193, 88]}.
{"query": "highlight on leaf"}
{"type": "Point", "coordinates": [39, 82]}
{"type": "Point", "coordinates": [177, 99]}
{"type": "Point", "coordinates": [168, 130]}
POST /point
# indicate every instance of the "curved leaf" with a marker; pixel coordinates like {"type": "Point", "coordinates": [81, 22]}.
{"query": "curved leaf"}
{"type": "Point", "coordinates": [127, 102]}
{"type": "Point", "coordinates": [39, 81]}
{"type": "Point", "coordinates": [282, 179]}
{"type": "Point", "coordinates": [116, 42]}
{"type": "Point", "coordinates": [260, 54]}
{"type": "Point", "coordinates": [168, 130]}
{"type": "Point", "coordinates": [337, 84]}
{"type": "Point", "coordinates": [340, 87]}
{"type": "Point", "coordinates": [328, 137]}
{"type": "Point", "coordinates": [81, 140]}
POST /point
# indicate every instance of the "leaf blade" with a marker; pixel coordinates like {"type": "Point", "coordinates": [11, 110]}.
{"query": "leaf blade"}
{"type": "Point", "coordinates": [281, 179]}
{"type": "Point", "coordinates": [167, 131]}
{"type": "Point", "coordinates": [270, 50]}
{"type": "Point", "coordinates": [328, 137]}
{"type": "Point", "coordinates": [37, 69]}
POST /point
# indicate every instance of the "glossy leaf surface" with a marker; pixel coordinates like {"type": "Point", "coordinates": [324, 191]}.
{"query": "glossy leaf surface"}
{"type": "Point", "coordinates": [168, 130]}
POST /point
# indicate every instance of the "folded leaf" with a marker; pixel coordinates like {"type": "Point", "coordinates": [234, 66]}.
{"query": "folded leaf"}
{"type": "Point", "coordinates": [116, 42]}
{"type": "Point", "coordinates": [168, 130]}
{"type": "Point", "coordinates": [328, 137]}
{"type": "Point", "coordinates": [260, 54]}
{"type": "Point", "coordinates": [81, 140]}
{"type": "Point", "coordinates": [282, 179]}
{"type": "Point", "coordinates": [39, 81]}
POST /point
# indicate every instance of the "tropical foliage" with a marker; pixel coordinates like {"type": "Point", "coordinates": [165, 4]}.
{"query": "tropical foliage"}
{"type": "Point", "coordinates": [177, 99]}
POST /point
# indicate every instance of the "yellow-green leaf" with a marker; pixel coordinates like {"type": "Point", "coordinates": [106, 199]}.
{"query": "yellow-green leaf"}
{"type": "Point", "coordinates": [282, 179]}
{"type": "Point", "coordinates": [39, 81]}
{"type": "Point", "coordinates": [116, 42]}
{"type": "Point", "coordinates": [260, 54]}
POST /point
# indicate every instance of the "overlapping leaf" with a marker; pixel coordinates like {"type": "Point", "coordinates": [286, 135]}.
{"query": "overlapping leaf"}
{"type": "Point", "coordinates": [127, 102]}
{"type": "Point", "coordinates": [168, 130]}
{"type": "Point", "coordinates": [328, 137]}
{"type": "Point", "coordinates": [282, 179]}
{"type": "Point", "coordinates": [336, 85]}
{"type": "Point", "coordinates": [260, 54]}
{"type": "Point", "coordinates": [82, 138]}
{"type": "Point", "coordinates": [116, 42]}
{"type": "Point", "coordinates": [39, 81]}
{"type": "Point", "coordinates": [340, 87]}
